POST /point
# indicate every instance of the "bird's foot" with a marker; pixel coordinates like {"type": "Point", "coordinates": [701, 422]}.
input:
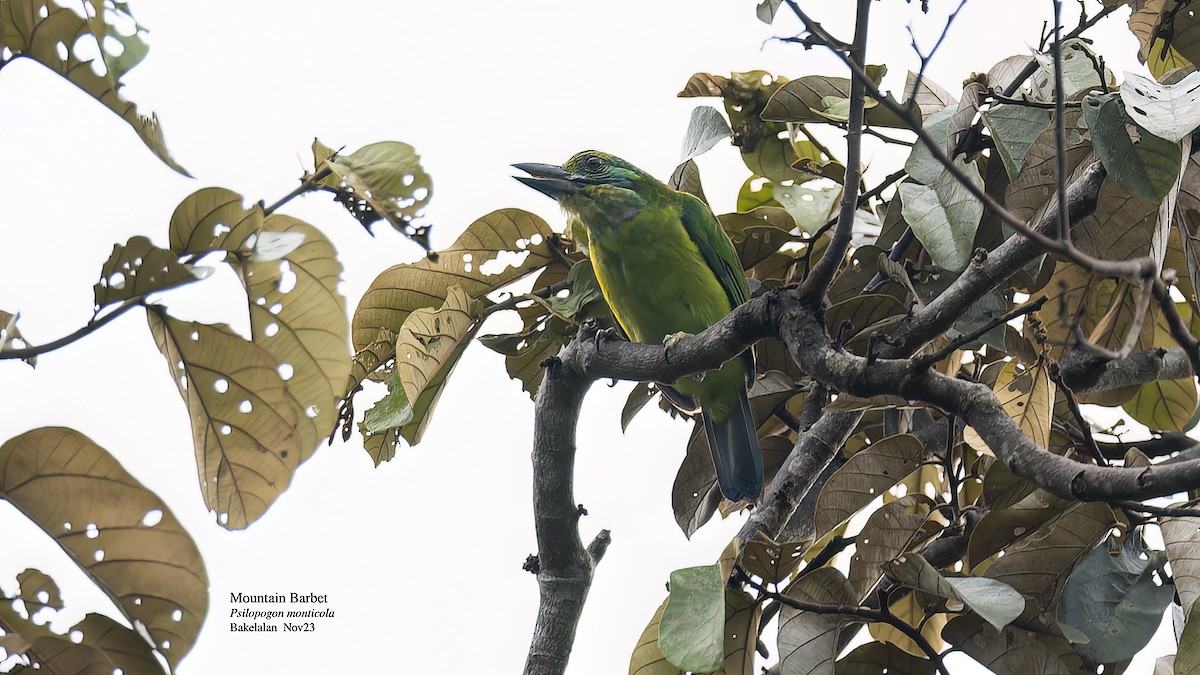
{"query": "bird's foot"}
{"type": "Point", "coordinates": [671, 340]}
{"type": "Point", "coordinates": [602, 335]}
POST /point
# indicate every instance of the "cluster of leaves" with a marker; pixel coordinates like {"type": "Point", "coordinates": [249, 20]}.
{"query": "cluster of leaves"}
{"type": "Point", "coordinates": [259, 406]}
{"type": "Point", "coordinates": [1034, 583]}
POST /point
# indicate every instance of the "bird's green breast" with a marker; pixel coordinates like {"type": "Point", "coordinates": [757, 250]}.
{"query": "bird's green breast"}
{"type": "Point", "coordinates": [655, 278]}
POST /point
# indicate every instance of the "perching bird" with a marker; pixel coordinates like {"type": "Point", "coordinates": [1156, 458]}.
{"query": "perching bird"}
{"type": "Point", "coordinates": [665, 267]}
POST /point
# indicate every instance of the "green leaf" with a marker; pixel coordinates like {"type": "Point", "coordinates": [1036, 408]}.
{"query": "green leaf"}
{"type": "Point", "coordinates": [921, 165]}
{"type": "Point", "coordinates": [1167, 111]}
{"type": "Point", "coordinates": [36, 28]}
{"type": "Point", "coordinates": [692, 632]}
{"type": "Point", "coordinates": [1142, 163]}
{"type": "Point", "coordinates": [750, 198]}
{"type": "Point", "coordinates": [1112, 603]}
{"type": "Point", "coordinates": [705, 129]}
{"type": "Point", "coordinates": [391, 411]}
{"type": "Point", "coordinates": [811, 208]}
{"type": "Point", "coordinates": [865, 476]}
{"type": "Point", "coordinates": [120, 534]}
{"type": "Point", "coordinates": [996, 602]}
{"type": "Point", "coordinates": [944, 216]}
{"type": "Point", "coordinates": [1187, 658]}
{"type": "Point", "coordinates": [1013, 129]}
{"type": "Point", "coordinates": [1078, 71]}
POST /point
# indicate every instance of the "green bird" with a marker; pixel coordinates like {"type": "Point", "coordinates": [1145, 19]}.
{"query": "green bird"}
{"type": "Point", "coordinates": [666, 267]}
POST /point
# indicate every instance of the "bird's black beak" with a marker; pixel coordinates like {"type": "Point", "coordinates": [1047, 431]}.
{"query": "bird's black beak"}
{"type": "Point", "coordinates": [548, 179]}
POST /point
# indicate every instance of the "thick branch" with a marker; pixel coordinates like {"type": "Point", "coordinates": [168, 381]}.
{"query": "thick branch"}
{"type": "Point", "coordinates": [564, 567]}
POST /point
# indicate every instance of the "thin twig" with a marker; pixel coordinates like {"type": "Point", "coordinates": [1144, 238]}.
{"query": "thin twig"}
{"type": "Point", "coordinates": [91, 327]}
{"type": "Point", "coordinates": [926, 58]}
{"type": "Point", "coordinates": [927, 361]}
{"type": "Point", "coordinates": [1060, 128]}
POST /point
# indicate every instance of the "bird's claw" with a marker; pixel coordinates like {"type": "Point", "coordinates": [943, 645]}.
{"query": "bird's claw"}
{"type": "Point", "coordinates": [602, 335]}
{"type": "Point", "coordinates": [671, 340]}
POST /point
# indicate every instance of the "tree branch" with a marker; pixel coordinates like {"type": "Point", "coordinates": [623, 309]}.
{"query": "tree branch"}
{"type": "Point", "coordinates": [564, 567]}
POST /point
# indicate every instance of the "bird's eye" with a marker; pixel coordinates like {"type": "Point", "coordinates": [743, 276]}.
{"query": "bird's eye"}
{"type": "Point", "coordinates": [593, 164]}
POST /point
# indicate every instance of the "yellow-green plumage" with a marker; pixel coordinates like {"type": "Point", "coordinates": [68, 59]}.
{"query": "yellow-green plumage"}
{"type": "Point", "coordinates": [665, 266]}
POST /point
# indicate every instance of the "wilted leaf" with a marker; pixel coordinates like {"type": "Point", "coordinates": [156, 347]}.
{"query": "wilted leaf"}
{"type": "Point", "coordinates": [1112, 602]}
{"type": "Point", "coordinates": [243, 422]}
{"type": "Point", "coordinates": [494, 251]}
{"type": "Point", "coordinates": [1011, 650]}
{"type": "Point", "coordinates": [641, 394]}
{"type": "Point", "coordinates": [1013, 129]}
{"type": "Point", "coordinates": [865, 476]}
{"type": "Point", "coordinates": [380, 181]}
{"type": "Point", "coordinates": [692, 631]}
{"type": "Point", "coordinates": [808, 641]}
{"type": "Point", "coordinates": [1167, 111]}
{"type": "Point", "coordinates": [1141, 162]}
{"type": "Point", "coordinates": [994, 601]}
{"type": "Point", "coordinates": [944, 216]}
{"type": "Point", "coordinates": [648, 658]}
{"type": "Point", "coordinates": [139, 268]}
{"type": "Point", "coordinates": [429, 337]}
{"type": "Point", "coordinates": [120, 534]}
{"type": "Point", "coordinates": [888, 532]}
{"type": "Point", "coordinates": [705, 129]}
{"type": "Point", "coordinates": [44, 31]}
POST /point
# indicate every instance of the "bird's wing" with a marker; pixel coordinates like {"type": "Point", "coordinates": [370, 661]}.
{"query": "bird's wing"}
{"type": "Point", "coordinates": [703, 229]}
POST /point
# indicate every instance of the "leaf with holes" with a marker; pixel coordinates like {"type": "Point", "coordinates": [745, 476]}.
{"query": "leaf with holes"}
{"type": "Point", "coordinates": [1013, 129]}
{"type": "Point", "coordinates": [759, 233]}
{"type": "Point", "coordinates": [139, 268]}
{"type": "Point", "coordinates": [243, 421]}
{"type": "Point", "coordinates": [121, 534]}
{"type": "Point", "coordinates": [380, 426]}
{"type": "Point", "coordinates": [889, 531]}
{"type": "Point", "coordinates": [808, 641]}
{"type": "Point", "coordinates": [1079, 71]}
{"type": "Point", "coordinates": [811, 208]}
{"type": "Point", "coordinates": [49, 33]}
{"type": "Point", "coordinates": [213, 219]}
{"type": "Point", "coordinates": [103, 646]}
{"type": "Point", "coordinates": [1141, 162]}
{"type": "Point", "coordinates": [865, 476]}
{"type": "Point", "coordinates": [1167, 111]}
{"type": "Point", "coordinates": [380, 181]}
{"type": "Point", "coordinates": [944, 216]}
{"type": "Point", "coordinates": [298, 317]}
{"type": "Point", "coordinates": [38, 590]}
{"type": "Point", "coordinates": [1027, 395]}
{"type": "Point", "coordinates": [742, 614]}
{"type": "Point", "coordinates": [705, 129]}
{"type": "Point", "coordinates": [691, 633]}
{"type": "Point", "coordinates": [1110, 606]}
{"type": "Point", "coordinates": [494, 251]}
{"type": "Point", "coordinates": [994, 601]}
{"type": "Point", "coordinates": [1182, 538]}
{"type": "Point", "coordinates": [770, 560]}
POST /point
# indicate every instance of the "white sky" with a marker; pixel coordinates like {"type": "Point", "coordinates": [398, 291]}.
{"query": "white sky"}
{"type": "Point", "coordinates": [422, 557]}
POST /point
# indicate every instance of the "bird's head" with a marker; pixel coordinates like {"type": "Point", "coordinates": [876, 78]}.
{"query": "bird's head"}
{"type": "Point", "coordinates": [602, 190]}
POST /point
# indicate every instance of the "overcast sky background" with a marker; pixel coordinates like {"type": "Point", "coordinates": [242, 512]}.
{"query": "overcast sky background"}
{"type": "Point", "coordinates": [421, 558]}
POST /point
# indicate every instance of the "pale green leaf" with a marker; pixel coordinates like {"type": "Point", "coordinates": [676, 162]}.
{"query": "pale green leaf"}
{"type": "Point", "coordinates": [944, 216]}
{"type": "Point", "coordinates": [692, 631]}
{"type": "Point", "coordinates": [1167, 111]}
{"type": "Point", "coordinates": [1013, 129]}
{"type": "Point", "coordinates": [706, 128]}
{"type": "Point", "coordinates": [1144, 164]}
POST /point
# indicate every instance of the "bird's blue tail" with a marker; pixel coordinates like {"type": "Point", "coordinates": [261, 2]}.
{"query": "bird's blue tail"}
{"type": "Point", "coordinates": [735, 452]}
